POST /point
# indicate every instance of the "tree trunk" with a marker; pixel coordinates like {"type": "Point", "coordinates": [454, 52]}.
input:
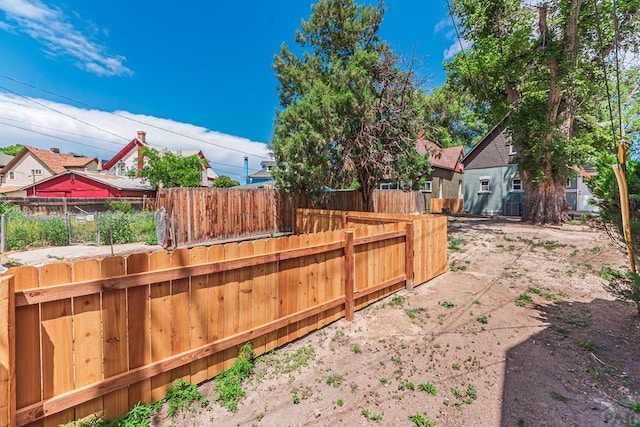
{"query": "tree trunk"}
{"type": "Point", "coordinates": [367, 198]}
{"type": "Point", "coordinates": [545, 202]}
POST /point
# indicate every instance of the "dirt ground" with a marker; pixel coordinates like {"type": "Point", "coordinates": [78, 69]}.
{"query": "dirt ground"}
{"type": "Point", "coordinates": [459, 351]}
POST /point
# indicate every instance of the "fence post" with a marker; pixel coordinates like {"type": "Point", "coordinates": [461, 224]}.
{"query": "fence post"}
{"type": "Point", "coordinates": [408, 263]}
{"type": "Point", "coordinates": [349, 266]}
{"type": "Point", "coordinates": [3, 233]}
{"type": "Point", "coordinates": [7, 352]}
{"type": "Point", "coordinates": [345, 219]}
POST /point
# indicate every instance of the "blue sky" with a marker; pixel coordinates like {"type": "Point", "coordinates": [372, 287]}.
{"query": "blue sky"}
{"type": "Point", "coordinates": [201, 69]}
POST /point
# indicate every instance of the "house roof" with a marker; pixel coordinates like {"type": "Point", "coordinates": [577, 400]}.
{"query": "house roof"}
{"type": "Point", "coordinates": [5, 159]}
{"type": "Point", "coordinates": [133, 144]}
{"type": "Point", "coordinates": [262, 173]}
{"type": "Point", "coordinates": [115, 181]}
{"type": "Point", "coordinates": [439, 157]}
{"type": "Point", "coordinates": [56, 162]}
{"type": "Point", "coordinates": [257, 185]}
{"type": "Point", "coordinates": [485, 139]}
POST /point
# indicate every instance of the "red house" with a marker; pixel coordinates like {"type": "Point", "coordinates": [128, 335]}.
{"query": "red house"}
{"type": "Point", "coordinates": [89, 184]}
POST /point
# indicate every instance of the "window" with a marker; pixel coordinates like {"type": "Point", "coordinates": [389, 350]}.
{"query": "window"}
{"type": "Point", "coordinates": [12, 175]}
{"type": "Point", "coordinates": [485, 184]}
{"type": "Point", "coordinates": [512, 149]}
{"type": "Point", "coordinates": [36, 171]}
{"type": "Point", "coordinates": [385, 186]}
{"type": "Point", "coordinates": [428, 186]}
{"type": "Point", "coordinates": [122, 168]}
{"type": "Point", "coordinates": [516, 184]}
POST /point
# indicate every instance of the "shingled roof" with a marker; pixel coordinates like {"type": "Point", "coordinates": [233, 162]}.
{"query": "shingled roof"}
{"type": "Point", "coordinates": [439, 157]}
{"type": "Point", "coordinates": [59, 162]}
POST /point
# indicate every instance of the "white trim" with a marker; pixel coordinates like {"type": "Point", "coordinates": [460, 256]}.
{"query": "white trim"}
{"type": "Point", "coordinates": [428, 186]}
{"type": "Point", "coordinates": [488, 185]}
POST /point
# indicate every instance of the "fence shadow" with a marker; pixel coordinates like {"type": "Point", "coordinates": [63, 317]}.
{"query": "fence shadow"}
{"type": "Point", "coordinates": [580, 370]}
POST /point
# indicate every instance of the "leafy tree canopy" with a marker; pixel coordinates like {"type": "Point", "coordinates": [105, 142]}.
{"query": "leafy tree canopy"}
{"type": "Point", "coordinates": [166, 169]}
{"type": "Point", "coordinates": [224, 181]}
{"type": "Point", "coordinates": [347, 105]}
{"type": "Point", "coordinates": [541, 64]}
{"type": "Point", "coordinates": [12, 150]}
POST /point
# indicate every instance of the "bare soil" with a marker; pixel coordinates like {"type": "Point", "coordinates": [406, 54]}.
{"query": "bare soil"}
{"type": "Point", "coordinates": [459, 350]}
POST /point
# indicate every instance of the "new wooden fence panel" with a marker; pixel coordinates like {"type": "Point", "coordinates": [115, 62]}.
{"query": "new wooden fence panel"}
{"type": "Point", "coordinates": [87, 319]}
{"type": "Point", "coordinates": [180, 313]}
{"type": "Point", "coordinates": [260, 306]}
{"type": "Point", "coordinates": [7, 351]}
{"type": "Point", "coordinates": [114, 319]}
{"type": "Point", "coordinates": [231, 302]}
{"type": "Point", "coordinates": [272, 295]}
{"type": "Point", "coordinates": [284, 295]}
{"type": "Point", "coordinates": [139, 327]}
{"type": "Point", "coordinates": [160, 296]}
{"type": "Point", "coordinates": [199, 306]}
{"type": "Point", "coordinates": [216, 314]}
{"type": "Point", "coordinates": [246, 303]}
{"type": "Point", "coordinates": [28, 369]}
{"type": "Point", "coordinates": [57, 341]}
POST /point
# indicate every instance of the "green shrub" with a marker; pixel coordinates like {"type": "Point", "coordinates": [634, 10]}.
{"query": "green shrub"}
{"type": "Point", "coordinates": [120, 206]}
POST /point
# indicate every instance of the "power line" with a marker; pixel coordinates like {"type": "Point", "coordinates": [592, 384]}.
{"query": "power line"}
{"type": "Point", "coordinates": [52, 136]}
{"type": "Point", "coordinates": [123, 117]}
{"type": "Point", "coordinates": [64, 114]}
{"type": "Point", "coordinates": [59, 130]}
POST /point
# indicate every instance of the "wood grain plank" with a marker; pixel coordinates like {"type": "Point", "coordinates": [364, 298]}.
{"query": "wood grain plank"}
{"type": "Point", "coordinates": [160, 301]}
{"type": "Point", "coordinates": [231, 303]}
{"type": "Point", "coordinates": [216, 313]}
{"type": "Point", "coordinates": [180, 313]}
{"type": "Point", "coordinates": [198, 312]}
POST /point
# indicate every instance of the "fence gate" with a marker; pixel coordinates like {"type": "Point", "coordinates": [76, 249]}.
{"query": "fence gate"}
{"type": "Point", "coordinates": [83, 228]}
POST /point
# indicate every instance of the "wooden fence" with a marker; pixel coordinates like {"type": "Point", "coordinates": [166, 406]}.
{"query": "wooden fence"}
{"type": "Point", "coordinates": [203, 215]}
{"type": "Point", "coordinates": [446, 206]}
{"type": "Point", "coordinates": [48, 206]}
{"type": "Point", "coordinates": [99, 336]}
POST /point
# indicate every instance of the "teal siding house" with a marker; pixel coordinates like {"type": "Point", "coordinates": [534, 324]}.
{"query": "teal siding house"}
{"type": "Point", "coordinates": [492, 185]}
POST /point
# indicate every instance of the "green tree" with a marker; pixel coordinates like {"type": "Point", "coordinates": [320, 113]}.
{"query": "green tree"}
{"type": "Point", "coordinates": [347, 105]}
{"type": "Point", "coordinates": [541, 63]}
{"type": "Point", "coordinates": [12, 150]}
{"type": "Point", "coordinates": [168, 170]}
{"type": "Point", "coordinates": [451, 116]}
{"type": "Point", "coordinates": [224, 182]}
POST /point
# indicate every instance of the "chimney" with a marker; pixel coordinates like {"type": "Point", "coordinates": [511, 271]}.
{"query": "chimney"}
{"type": "Point", "coordinates": [142, 136]}
{"type": "Point", "coordinates": [55, 150]}
{"type": "Point", "coordinates": [246, 170]}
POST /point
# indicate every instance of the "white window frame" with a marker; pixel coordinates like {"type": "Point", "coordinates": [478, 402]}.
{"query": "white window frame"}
{"type": "Point", "coordinates": [12, 175]}
{"type": "Point", "coordinates": [513, 187]}
{"type": "Point", "coordinates": [484, 189]}
{"type": "Point", "coordinates": [428, 186]}
{"type": "Point", "coordinates": [385, 186]}
{"type": "Point", "coordinates": [512, 150]}
{"type": "Point", "coordinates": [36, 172]}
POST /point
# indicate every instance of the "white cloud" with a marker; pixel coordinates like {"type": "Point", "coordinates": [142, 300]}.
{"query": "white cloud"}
{"type": "Point", "coordinates": [442, 24]}
{"type": "Point", "coordinates": [51, 27]}
{"type": "Point", "coordinates": [20, 119]}
{"type": "Point", "coordinates": [452, 50]}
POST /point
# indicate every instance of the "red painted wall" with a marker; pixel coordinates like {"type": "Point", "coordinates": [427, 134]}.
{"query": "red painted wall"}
{"type": "Point", "coordinates": [79, 186]}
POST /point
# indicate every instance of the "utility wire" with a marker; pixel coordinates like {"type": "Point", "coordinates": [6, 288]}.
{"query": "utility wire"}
{"type": "Point", "coordinates": [52, 136]}
{"type": "Point", "coordinates": [64, 114]}
{"type": "Point", "coordinates": [122, 117]}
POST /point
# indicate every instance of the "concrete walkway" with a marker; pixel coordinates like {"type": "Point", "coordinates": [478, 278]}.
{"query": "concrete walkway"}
{"type": "Point", "coordinates": [68, 253]}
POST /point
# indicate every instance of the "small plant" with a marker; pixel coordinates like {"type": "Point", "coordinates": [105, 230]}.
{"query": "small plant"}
{"type": "Point", "coordinates": [455, 366]}
{"type": "Point", "coordinates": [413, 312]}
{"type": "Point", "coordinates": [523, 300]}
{"type": "Point", "coordinates": [340, 402]}
{"type": "Point", "coordinates": [587, 344]}
{"type": "Point", "coordinates": [571, 319]}
{"type": "Point", "coordinates": [181, 394]}
{"type": "Point", "coordinates": [454, 243]}
{"type": "Point", "coordinates": [397, 300]}
{"type": "Point", "coordinates": [428, 387]}
{"type": "Point", "coordinates": [406, 385]}
{"type": "Point", "coordinates": [457, 267]}
{"type": "Point", "coordinates": [383, 380]}
{"type": "Point", "coordinates": [371, 417]}
{"type": "Point", "coordinates": [623, 285]}
{"type": "Point", "coordinates": [558, 396]}
{"type": "Point", "coordinates": [482, 319]}
{"type": "Point", "coordinates": [260, 416]}
{"type": "Point", "coordinates": [229, 382]}
{"type": "Point", "coordinates": [338, 334]}
{"type": "Point", "coordinates": [421, 420]}
{"type": "Point", "coordinates": [356, 349]}
{"type": "Point", "coordinates": [294, 395]}
{"type": "Point", "coordinates": [447, 304]}
{"type": "Point", "coordinates": [335, 380]}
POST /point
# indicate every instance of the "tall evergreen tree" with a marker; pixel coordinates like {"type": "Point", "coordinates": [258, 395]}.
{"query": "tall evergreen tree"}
{"type": "Point", "coordinates": [347, 110]}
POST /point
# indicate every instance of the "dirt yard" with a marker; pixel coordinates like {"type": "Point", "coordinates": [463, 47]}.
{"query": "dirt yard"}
{"type": "Point", "coordinates": [518, 332]}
